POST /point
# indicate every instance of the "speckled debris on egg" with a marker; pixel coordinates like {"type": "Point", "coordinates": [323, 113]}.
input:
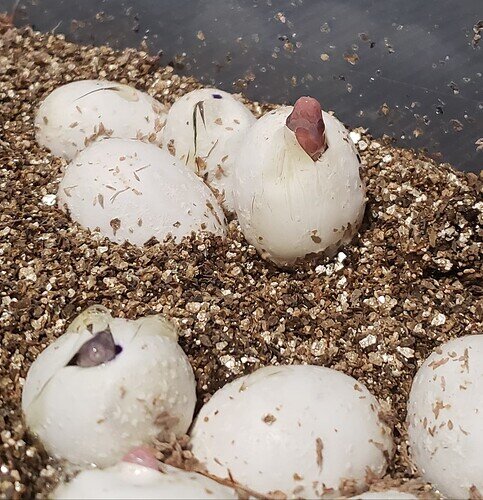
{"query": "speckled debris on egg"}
{"type": "Point", "coordinates": [386, 495]}
{"type": "Point", "coordinates": [106, 385]}
{"type": "Point", "coordinates": [300, 430]}
{"type": "Point", "coordinates": [203, 130]}
{"type": "Point", "coordinates": [129, 480]}
{"type": "Point", "coordinates": [134, 191]}
{"type": "Point", "coordinates": [78, 113]}
{"type": "Point", "coordinates": [445, 418]}
{"type": "Point", "coordinates": [290, 206]}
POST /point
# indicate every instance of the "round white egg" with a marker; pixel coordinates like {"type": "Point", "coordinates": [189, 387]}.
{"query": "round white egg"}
{"type": "Point", "coordinates": [133, 191]}
{"type": "Point", "coordinates": [76, 114]}
{"type": "Point", "coordinates": [386, 495]}
{"type": "Point", "coordinates": [288, 205]}
{"type": "Point", "coordinates": [445, 418]}
{"type": "Point", "coordinates": [96, 414]}
{"type": "Point", "coordinates": [203, 130]}
{"type": "Point", "coordinates": [129, 481]}
{"type": "Point", "coordinates": [300, 430]}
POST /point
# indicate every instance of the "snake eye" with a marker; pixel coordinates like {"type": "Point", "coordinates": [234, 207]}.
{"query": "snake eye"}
{"type": "Point", "coordinates": [98, 350]}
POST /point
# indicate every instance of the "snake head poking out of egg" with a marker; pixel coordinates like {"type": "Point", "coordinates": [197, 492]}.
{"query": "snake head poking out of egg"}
{"type": "Point", "coordinates": [106, 385]}
{"type": "Point", "coordinates": [296, 186]}
{"type": "Point", "coordinates": [307, 123]}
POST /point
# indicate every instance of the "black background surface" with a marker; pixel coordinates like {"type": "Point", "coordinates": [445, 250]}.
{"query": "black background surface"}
{"type": "Point", "coordinates": [416, 56]}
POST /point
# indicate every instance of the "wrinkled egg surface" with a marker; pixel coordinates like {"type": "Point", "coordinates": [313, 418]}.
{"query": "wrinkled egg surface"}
{"type": "Point", "coordinates": [78, 113]}
{"type": "Point", "coordinates": [106, 385]}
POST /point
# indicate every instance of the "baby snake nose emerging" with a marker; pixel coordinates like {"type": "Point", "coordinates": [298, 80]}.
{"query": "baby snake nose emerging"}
{"type": "Point", "coordinates": [98, 350]}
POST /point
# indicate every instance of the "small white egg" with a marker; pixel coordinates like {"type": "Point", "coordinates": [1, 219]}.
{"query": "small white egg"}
{"type": "Point", "coordinates": [203, 130]}
{"type": "Point", "coordinates": [106, 385]}
{"type": "Point", "coordinates": [445, 418]}
{"type": "Point", "coordinates": [290, 205]}
{"type": "Point", "coordinates": [386, 495]}
{"type": "Point", "coordinates": [74, 115]}
{"type": "Point", "coordinates": [300, 430]}
{"type": "Point", "coordinates": [133, 191]}
{"type": "Point", "coordinates": [131, 481]}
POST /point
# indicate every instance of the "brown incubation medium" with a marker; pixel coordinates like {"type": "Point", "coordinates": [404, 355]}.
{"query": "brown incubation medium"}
{"type": "Point", "coordinates": [409, 282]}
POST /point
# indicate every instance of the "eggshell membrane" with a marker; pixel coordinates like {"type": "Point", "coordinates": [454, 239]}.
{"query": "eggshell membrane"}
{"type": "Point", "coordinates": [77, 113]}
{"type": "Point", "coordinates": [128, 481]}
{"type": "Point", "coordinates": [226, 122]}
{"type": "Point", "coordinates": [288, 205]}
{"type": "Point", "coordinates": [97, 414]}
{"type": "Point", "coordinates": [292, 429]}
{"type": "Point", "coordinates": [445, 418]}
{"type": "Point", "coordinates": [134, 191]}
{"type": "Point", "coordinates": [386, 495]}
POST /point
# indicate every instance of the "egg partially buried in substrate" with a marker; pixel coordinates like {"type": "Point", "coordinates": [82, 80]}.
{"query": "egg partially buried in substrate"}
{"type": "Point", "coordinates": [296, 184]}
{"type": "Point", "coordinates": [134, 191]}
{"type": "Point", "coordinates": [445, 418]}
{"type": "Point", "coordinates": [203, 130]}
{"type": "Point", "coordinates": [140, 475]}
{"type": "Point", "coordinates": [106, 385]}
{"type": "Point", "coordinates": [76, 114]}
{"type": "Point", "coordinates": [299, 430]}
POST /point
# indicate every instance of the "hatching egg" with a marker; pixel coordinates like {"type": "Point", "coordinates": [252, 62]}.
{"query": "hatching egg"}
{"type": "Point", "coordinates": [106, 385]}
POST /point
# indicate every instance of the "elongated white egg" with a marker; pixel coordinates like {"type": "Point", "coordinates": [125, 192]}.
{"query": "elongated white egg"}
{"type": "Point", "coordinates": [78, 113]}
{"type": "Point", "coordinates": [292, 202]}
{"type": "Point", "coordinates": [300, 430]}
{"type": "Point", "coordinates": [133, 191]}
{"type": "Point", "coordinates": [445, 418]}
{"type": "Point", "coordinates": [106, 385]}
{"type": "Point", "coordinates": [203, 130]}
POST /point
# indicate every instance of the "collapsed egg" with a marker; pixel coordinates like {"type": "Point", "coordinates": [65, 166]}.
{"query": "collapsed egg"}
{"type": "Point", "coordinates": [135, 479]}
{"type": "Point", "coordinates": [134, 191]}
{"type": "Point", "coordinates": [296, 187]}
{"type": "Point", "coordinates": [203, 130]}
{"type": "Point", "coordinates": [106, 385]}
{"type": "Point", "coordinates": [74, 115]}
{"type": "Point", "coordinates": [299, 430]}
{"type": "Point", "coordinates": [445, 418]}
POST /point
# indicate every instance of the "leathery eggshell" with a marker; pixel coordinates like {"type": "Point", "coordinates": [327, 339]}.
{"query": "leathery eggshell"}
{"type": "Point", "coordinates": [290, 206]}
{"type": "Point", "coordinates": [128, 480]}
{"type": "Point", "coordinates": [78, 113]}
{"type": "Point", "coordinates": [88, 411]}
{"type": "Point", "coordinates": [203, 130]}
{"type": "Point", "coordinates": [386, 495]}
{"type": "Point", "coordinates": [445, 418]}
{"type": "Point", "coordinates": [300, 430]}
{"type": "Point", "coordinates": [132, 191]}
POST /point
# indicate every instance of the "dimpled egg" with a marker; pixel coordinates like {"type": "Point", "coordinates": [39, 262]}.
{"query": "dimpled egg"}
{"type": "Point", "coordinates": [299, 430]}
{"type": "Point", "coordinates": [203, 130]}
{"type": "Point", "coordinates": [132, 191]}
{"type": "Point", "coordinates": [106, 385]}
{"type": "Point", "coordinates": [76, 114]}
{"type": "Point", "coordinates": [445, 418]}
